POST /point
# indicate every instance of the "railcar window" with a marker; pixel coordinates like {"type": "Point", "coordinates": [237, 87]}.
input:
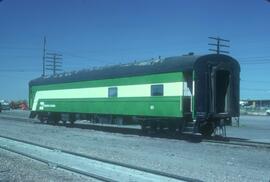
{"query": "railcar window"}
{"type": "Point", "coordinates": [112, 92]}
{"type": "Point", "coordinates": [156, 90]}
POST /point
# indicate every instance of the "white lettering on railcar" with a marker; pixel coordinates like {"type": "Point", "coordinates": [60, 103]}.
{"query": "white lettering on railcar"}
{"type": "Point", "coordinates": [43, 105]}
{"type": "Point", "coordinates": [49, 105]}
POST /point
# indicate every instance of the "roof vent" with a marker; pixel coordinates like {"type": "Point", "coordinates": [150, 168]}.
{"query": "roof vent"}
{"type": "Point", "coordinates": [189, 54]}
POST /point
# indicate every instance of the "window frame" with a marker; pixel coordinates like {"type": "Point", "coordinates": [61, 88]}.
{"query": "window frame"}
{"type": "Point", "coordinates": [114, 90]}
{"type": "Point", "coordinates": [154, 94]}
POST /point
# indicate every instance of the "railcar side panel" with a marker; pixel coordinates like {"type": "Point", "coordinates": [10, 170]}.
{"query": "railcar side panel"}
{"type": "Point", "coordinates": [133, 97]}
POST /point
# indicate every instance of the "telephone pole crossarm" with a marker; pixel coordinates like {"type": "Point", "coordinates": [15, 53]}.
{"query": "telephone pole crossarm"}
{"type": "Point", "coordinates": [219, 44]}
{"type": "Point", "coordinates": [54, 62]}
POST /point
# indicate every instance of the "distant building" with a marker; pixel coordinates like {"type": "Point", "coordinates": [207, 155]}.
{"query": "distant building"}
{"type": "Point", "coordinates": [255, 103]}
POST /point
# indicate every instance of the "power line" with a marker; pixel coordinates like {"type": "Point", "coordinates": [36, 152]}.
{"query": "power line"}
{"type": "Point", "coordinates": [254, 57]}
{"type": "Point", "coordinates": [19, 48]}
{"type": "Point", "coordinates": [255, 90]}
{"type": "Point", "coordinates": [249, 60]}
{"type": "Point", "coordinates": [259, 63]}
{"type": "Point", "coordinates": [256, 81]}
{"type": "Point", "coordinates": [19, 70]}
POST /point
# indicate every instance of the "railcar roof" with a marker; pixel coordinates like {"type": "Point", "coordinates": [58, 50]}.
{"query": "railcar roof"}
{"type": "Point", "coordinates": [165, 65]}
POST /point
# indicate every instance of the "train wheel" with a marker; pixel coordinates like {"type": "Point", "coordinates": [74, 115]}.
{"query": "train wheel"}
{"type": "Point", "coordinates": [143, 126]}
{"type": "Point", "coordinates": [57, 118]}
{"type": "Point", "coordinates": [153, 126]}
{"type": "Point", "coordinates": [161, 125]}
{"type": "Point", "coordinates": [41, 118]}
{"type": "Point", "coordinates": [50, 118]}
{"type": "Point", "coordinates": [88, 117]}
{"type": "Point", "coordinates": [172, 126]}
{"type": "Point", "coordinates": [180, 126]}
{"type": "Point", "coordinates": [54, 118]}
{"type": "Point", "coordinates": [64, 122]}
{"type": "Point", "coordinates": [207, 129]}
{"type": "Point", "coordinates": [72, 118]}
{"type": "Point", "coordinates": [64, 118]}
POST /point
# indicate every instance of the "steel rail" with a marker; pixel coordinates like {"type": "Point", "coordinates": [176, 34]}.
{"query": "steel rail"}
{"type": "Point", "coordinates": [145, 170]}
{"type": "Point", "coordinates": [238, 142]}
{"type": "Point", "coordinates": [101, 178]}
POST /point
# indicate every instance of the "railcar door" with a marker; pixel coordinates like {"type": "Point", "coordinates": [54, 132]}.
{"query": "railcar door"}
{"type": "Point", "coordinates": [220, 88]}
{"type": "Point", "coordinates": [188, 93]}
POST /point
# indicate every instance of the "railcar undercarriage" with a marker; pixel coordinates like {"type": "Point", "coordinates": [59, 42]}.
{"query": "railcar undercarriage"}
{"type": "Point", "coordinates": [183, 125]}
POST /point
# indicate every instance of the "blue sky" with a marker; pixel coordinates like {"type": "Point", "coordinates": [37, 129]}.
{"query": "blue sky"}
{"type": "Point", "coordinates": [103, 32]}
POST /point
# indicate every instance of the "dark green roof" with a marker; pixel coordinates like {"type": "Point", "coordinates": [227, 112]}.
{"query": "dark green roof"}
{"type": "Point", "coordinates": [166, 65]}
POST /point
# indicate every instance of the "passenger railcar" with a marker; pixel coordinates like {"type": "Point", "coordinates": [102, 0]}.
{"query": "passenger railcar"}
{"type": "Point", "coordinates": [182, 93]}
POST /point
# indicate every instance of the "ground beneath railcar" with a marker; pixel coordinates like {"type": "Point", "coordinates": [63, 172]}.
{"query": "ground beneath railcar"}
{"type": "Point", "coordinates": [209, 162]}
{"type": "Point", "coordinates": [255, 128]}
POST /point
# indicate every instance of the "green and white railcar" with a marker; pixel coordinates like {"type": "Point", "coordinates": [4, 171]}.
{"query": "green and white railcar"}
{"type": "Point", "coordinates": [161, 93]}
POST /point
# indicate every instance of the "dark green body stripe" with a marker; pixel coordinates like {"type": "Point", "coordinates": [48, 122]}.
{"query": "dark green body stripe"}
{"type": "Point", "coordinates": [139, 106]}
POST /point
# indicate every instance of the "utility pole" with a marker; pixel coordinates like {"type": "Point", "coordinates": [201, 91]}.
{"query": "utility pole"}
{"type": "Point", "coordinates": [44, 54]}
{"type": "Point", "coordinates": [219, 44]}
{"type": "Point", "coordinates": [54, 62]}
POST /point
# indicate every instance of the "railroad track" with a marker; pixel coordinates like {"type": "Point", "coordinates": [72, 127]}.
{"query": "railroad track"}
{"type": "Point", "coordinates": [93, 167]}
{"type": "Point", "coordinates": [186, 137]}
{"type": "Point", "coordinates": [237, 142]}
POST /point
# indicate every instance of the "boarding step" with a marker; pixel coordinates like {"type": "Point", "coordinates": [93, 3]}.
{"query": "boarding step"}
{"type": "Point", "coordinates": [189, 127]}
{"type": "Point", "coordinates": [190, 124]}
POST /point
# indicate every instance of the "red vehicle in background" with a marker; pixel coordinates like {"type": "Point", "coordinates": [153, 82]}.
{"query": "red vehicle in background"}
{"type": "Point", "coordinates": [23, 106]}
{"type": "Point", "coordinates": [19, 105]}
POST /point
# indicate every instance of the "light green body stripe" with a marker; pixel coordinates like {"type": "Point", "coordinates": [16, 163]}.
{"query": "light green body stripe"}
{"type": "Point", "coordinates": [135, 80]}
{"type": "Point", "coordinates": [144, 90]}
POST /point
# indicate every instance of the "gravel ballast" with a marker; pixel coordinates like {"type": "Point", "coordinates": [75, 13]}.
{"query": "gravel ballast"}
{"type": "Point", "coordinates": [208, 162]}
{"type": "Point", "coordinates": [15, 168]}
